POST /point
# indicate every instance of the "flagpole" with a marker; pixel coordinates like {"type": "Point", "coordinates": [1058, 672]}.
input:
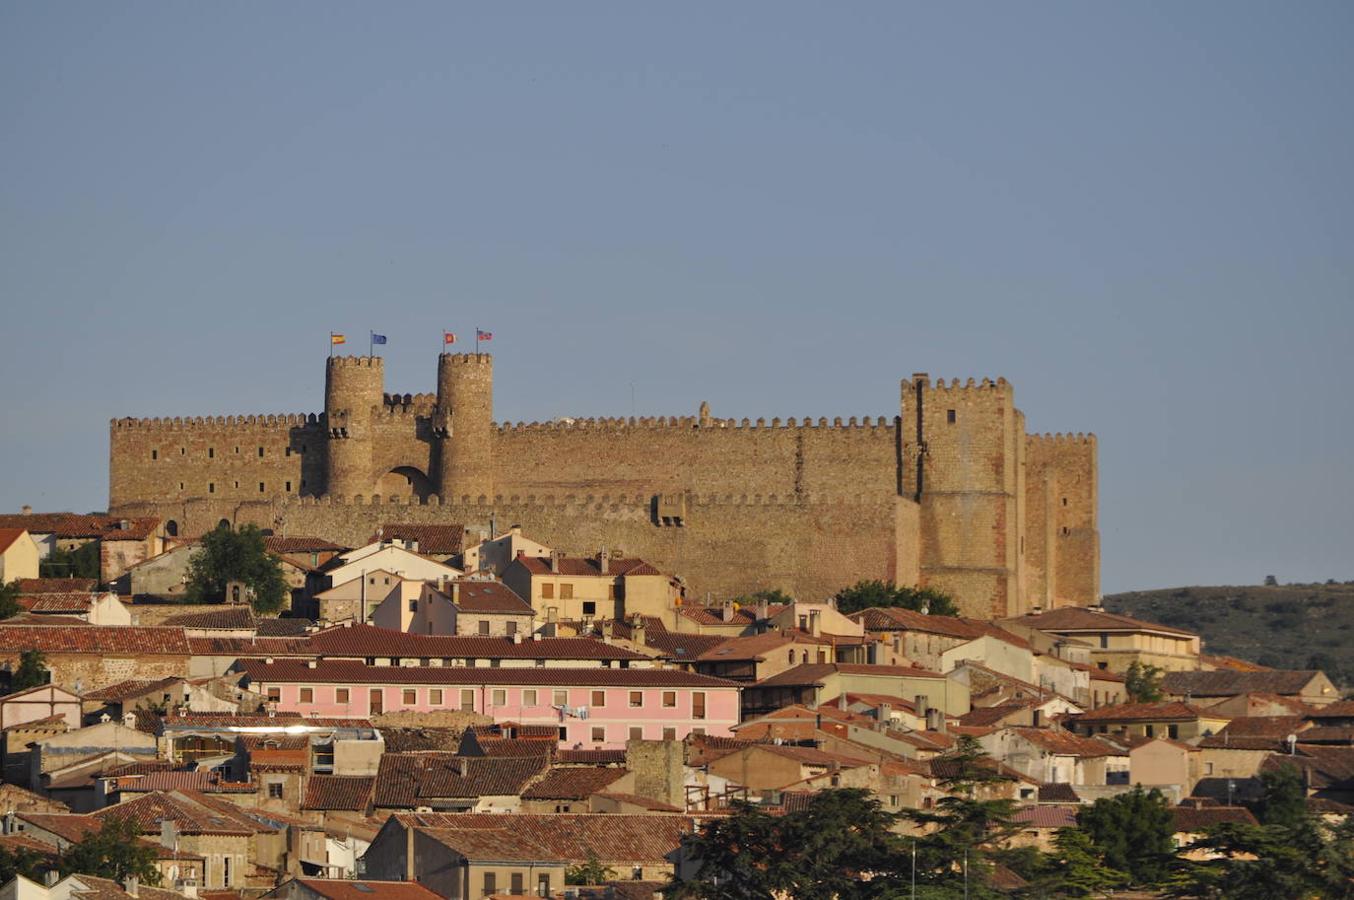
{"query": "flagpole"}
{"type": "Point", "coordinates": [331, 345]}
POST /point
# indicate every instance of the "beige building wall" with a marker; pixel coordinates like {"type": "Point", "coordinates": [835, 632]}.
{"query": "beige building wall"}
{"type": "Point", "coordinates": [19, 559]}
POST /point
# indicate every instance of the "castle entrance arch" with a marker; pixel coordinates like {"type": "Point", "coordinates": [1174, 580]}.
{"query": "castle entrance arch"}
{"type": "Point", "coordinates": [404, 481]}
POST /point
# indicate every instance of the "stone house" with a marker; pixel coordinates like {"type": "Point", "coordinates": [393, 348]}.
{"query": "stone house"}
{"type": "Point", "coordinates": [1117, 641]}
{"type": "Point", "coordinates": [1162, 762]}
{"type": "Point", "coordinates": [1049, 755]}
{"type": "Point", "coordinates": [752, 659]}
{"type": "Point", "coordinates": [45, 701]}
{"type": "Point", "coordinates": [87, 657]}
{"type": "Point", "coordinates": [452, 854]}
{"type": "Point", "coordinates": [492, 556]}
{"type": "Point", "coordinates": [67, 765]}
{"type": "Point", "coordinates": [447, 782]}
{"type": "Point", "coordinates": [1172, 719]}
{"type": "Point", "coordinates": [813, 683]}
{"type": "Point", "coordinates": [94, 607]}
{"type": "Point", "coordinates": [582, 589]}
{"type": "Point", "coordinates": [1309, 687]}
{"type": "Point", "coordinates": [769, 767]}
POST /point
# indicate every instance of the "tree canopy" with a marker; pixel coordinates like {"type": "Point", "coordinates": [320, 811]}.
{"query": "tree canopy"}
{"type": "Point", "coordinates": [115, 851]}
{"type": "Point", "coordinates": [227, 556]}
{"type": "Point", "coordinates": [82, 562]}
{"type": "Point", "coordinates": [1133, 832]}
{"type": "Point", "coordinates": [9, 600]}
{"type": "Point", "coordinates": [865, 594]}
{"type": "Point", "coordinates": [1142, 682]}
{"type": "Point", "coordinates": [31, 671]}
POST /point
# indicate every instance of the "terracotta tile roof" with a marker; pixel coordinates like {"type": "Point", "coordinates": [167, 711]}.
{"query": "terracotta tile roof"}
{"type": "Point", "coordinates": [648, 803]}
{"type": "Point", "coordinates": [893, 618]}
{"type": "Point", "coordinates": [587, 566]}
{"type": "Point", "coordinates": [1328, 734]}
{"type": "Point", "coordinates": [994, 715]}
{"type": "Point", "coordinates": [56, 585]}
{"type": "Point", "coordinates": [364, 889]}
{"type": "Point", "coordinates": [611, 838]}
{"type": "Point", "coordinates": [573, 782]}
{"type": "Point", "coordinates": [405, 740]}
{"type": "Point", "coordinates": [298, 544]}
{"type": "Point", "coordinates": [354, 672]}
{"type": "Point", "coordinates": [672, 645]}
{"type": "Point", "coordinates": [1075, 618]}
{"type": "Point", "coordinates": [1143, 712]}
{"type": "Point", "coordinates": [1327, 768]}
{"type": "Point", "coordinates": [334, 792]}
{"type": "Point", "coordinates": [362, 641]}
{"type": "Point", "coordinates": [1063, 743]}
{"type": "Point", "coordinates": [1341, 709]}
{"type": "Point", "coordinates": [1229, 683]}
{"type": "Point", "coordinates": [283, 627]}
{"type": "Point", "coordinates": [1230, 662]}
{"type": "Point", "coordinates": [20, 841]}
{"type": "Point", "coordinates": [57, 604]}
{"type": "Point", "coordinates": [199, 721]}
{"type": "Point", "coordinates": [489, 597]}
{"type": "Point", "coordinates": [499, 746]}
{"type": "Point", "coordinates": [67, 826]}
{"type": "Point", "coordinates": [119, 640]}
{"type": "Point", "coordinates": [714, 615]}
{"type": "Point", "coordinates": [192, 812]}
{"type": "Point", "coordinates": [1058, 792]}
{"type": "Point", "coordinates": [756, 646]}
{"type": "Point", "coordinates": [811, 756]}
{"type": "Point", "coordinates": [107, 889]}
{"type": "Point", "coordinates": [206, 781]}
{"type": "Point", "coordinates": [406, 780]}
{"type": "Point", "coordinates": [942, 767]}
{"type": "Point", "coordinates": [127, 690]}
{"type": "Point", "coordinates": [1192, 820]}
{"type": "Point", "coordinates": [226, 618]}
{"type": "Point", "coordinates": [8, 536]}
{"type": "Point", "coordinates": [1046, 815]}
{"type": "Point", "coordinates": [71, 525]}
{"type": "Point", "coordinates": [814, 673]}
{"type": "Point", "coordinates": [250, 647]}
{"type": "Point", "coordinates": [591, 757]}
{"type": "Point", "coordinates": [433, 540]}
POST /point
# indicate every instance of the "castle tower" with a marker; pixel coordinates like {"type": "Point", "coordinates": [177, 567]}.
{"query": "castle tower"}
{"type": "Point", "coordinates": [463, 425]}
{"type": "Point", "coordinates": [353, 389]}
{"type": "Point", "coordinates": [962, 454]}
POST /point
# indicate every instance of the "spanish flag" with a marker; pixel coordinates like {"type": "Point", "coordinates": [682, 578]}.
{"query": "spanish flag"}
{"type": "Point", "coordinates": [337, 339]}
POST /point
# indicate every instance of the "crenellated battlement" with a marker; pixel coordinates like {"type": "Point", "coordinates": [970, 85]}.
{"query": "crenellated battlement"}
{"type": "Point", "coordinates": [179, 423]}
{"type": "Point", "coordinates": [692, 422]}
{"type": "Point", "coordinates": [1000, 385]}
{"type": "Point", "coordinates": [356, 362]}
{"type": "Point", "coordinates": [483, 360]}
{"type": "Point", "coordinates": [483, 505]}
{"type": "Point", "coordinates": [1059, 438]}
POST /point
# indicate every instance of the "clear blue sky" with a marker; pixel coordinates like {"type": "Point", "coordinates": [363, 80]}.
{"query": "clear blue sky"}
{"type": "Point", "coordinates": [1138, 213]}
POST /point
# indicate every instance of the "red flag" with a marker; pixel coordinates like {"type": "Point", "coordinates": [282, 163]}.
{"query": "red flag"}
{"type": "Point", "coordinates": [448, 337]}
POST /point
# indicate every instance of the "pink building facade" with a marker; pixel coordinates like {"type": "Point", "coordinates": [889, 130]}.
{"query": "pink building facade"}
{"type": "Point", "coordinates": [592, 708]}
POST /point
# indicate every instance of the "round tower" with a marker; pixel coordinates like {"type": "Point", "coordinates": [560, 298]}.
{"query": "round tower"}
{"type": "Point", "coordinates": [353, 388]}
{"type": "Point", "coordinates": [464, 425]}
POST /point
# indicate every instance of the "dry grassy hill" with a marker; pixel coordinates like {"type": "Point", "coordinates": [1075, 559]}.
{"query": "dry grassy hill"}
{"type": "Point", "coordinates": [1291, 626]}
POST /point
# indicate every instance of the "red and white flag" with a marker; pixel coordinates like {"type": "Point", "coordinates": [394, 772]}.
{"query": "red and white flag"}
{"type": "Point", "coordinates": [448, 337]}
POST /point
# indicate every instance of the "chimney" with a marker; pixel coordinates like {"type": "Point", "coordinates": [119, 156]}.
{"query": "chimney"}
{"type": "Point", "coordinates": [884, 712]}
{"type": "Point", "coordinates": [517, 637]}
{"type": "Point", "coordinates": [935, 720]}
{"type": "Point", "coordinates": [608, 630]}
{"type": "Point", "coordinates": [922, 705]}
{"type": "Point", "coordinates": [169, 834]}
{"type": "Point", "coordinates": [129, 720]}
{"type": "Point", "coordinates": [409, 851]}
{"type": "Point", "coordinates": [455, 592]}
{"type": "Point", "coordinates": [463, 766]}
{"type": "Point", "coordinates": [726, 612]}
{"type": "Point", "coordinates": [841, 701]}
{"type": "Point", "coordinates": [603, 561]}
{"type": "Point", "coordinates": [815, 623]}
{"type": "Point", "coordinates": [637, 631]}
{"type": "Point", "coordinates": [555, 557]}
{"type": "Point", "coordinates": [131, 884]}
{"type": "Point", "coordinates": [27, 510]}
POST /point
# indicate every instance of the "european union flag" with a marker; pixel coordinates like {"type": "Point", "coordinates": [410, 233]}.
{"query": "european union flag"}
{"type": "Point", "coordinates": [378, 338]}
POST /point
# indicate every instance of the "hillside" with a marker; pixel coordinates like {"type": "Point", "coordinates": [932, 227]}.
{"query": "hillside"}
{"type": "Point", "coordinates": [1292, 626]}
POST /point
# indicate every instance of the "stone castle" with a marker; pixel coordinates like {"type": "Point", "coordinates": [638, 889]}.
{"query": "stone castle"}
{"type": "Point", "coordinates": [948, 492]}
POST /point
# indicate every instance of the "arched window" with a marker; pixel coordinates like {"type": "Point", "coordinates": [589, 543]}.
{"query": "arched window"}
{"type": "Point", "coordinates": [235, 593]}
{"type": "Point", "coordinates": [792, 656]}
{"type": "Point", "coordinates": [172, 528]}
{"type": "Point", "coordinates": [224, 523]}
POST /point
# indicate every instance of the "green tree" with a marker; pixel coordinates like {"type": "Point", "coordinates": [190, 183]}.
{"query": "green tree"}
{"type": "Point", "coordinates": [31, 672]}
{"type": "Point", "coordinates": [822, 850]}
{"type": "Point", "coordinates": [115, 851]}
{"type": "Point", "coordinates": [22, 861]}
{"type": "Point", "coordinates": [1133, 833]}
{"type": "Point", "coordinates": [82, 562]}
{"type": "Point", "coordinates": [1076, 870]}
{"type": "Point", "coordinates": [9, 599]}
{"type": "Point", "coordinates": [1258, 862]}
{"type": "Point", "coordinates": [227, 556]}
{"type": "Point", "coordinates": [1283, 800]}
{"type": "Point", "coordinates": [967, 828]}
{"type": "Point", "coordinates": [1142, 682]}
{"type": "Point", "coordinates": [590, 872]}
{"type": "Point", "coordinates": [772, 597]}
{"type": "Point", "coordinates": [865, 594]}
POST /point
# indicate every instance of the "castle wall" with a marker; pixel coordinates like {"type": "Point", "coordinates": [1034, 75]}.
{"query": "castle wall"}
{"type": "Point", "coordinates": [225, 457]}
{"type": "Point", "coordinates": [1000, 520]}
{"type": "Point", "coordinates": [729, 545]}
{"type": "Point", "coordinates": [673, 455]}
